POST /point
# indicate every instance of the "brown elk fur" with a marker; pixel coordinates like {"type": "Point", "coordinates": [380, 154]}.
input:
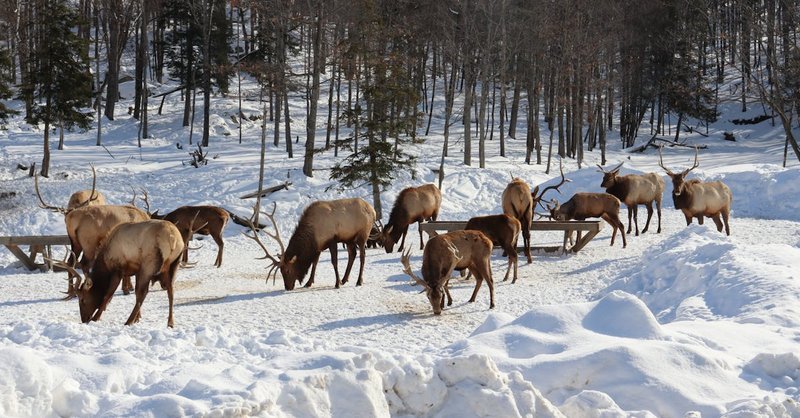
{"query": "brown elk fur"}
{"type": "Point", "coordinates": [503, 230]}
{"type": "Point", "coordinates": [592, 205]}
{"type": "Point", "coordinates": [323, 225]}
{"type": "Point", "coordinates": [697, 199]}
{"type": "Point", "coordinates": [150, 250]}
{"type": "Point", "coordinates": [518, 203]}
{"type": "Point", "coordinates": [634, 190]}
{"type": "Point", "coordinates": [213, 218]}
{"type": "Point", "coordinates": [457, 250]}
{"type": "Point", "coordinates": [88, 227]}
{"type": "Point", "coordinates": [413, 204]}
{"type": "Point", "coordinates": [82, 198]}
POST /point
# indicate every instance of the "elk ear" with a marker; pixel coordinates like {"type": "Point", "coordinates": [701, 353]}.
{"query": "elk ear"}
{"type": "Point", "coordinates": [87, 284]}
{"type": "Point", "coordinates": [388, 230]}
{"type": "Point", "coordinates": [535, 192]}
{"type": "Point", "coordinates": [293, 260]}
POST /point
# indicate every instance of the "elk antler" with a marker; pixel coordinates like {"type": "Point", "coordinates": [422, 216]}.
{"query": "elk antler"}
{"type": "Point", "coordinates": [696, 163]}
{"type": "Point", "coordinates": [405, 259]}
{"type": "Point", "coordinates": [93, 195]}
{"type": "Point", "coordinates": [612, 170]}
{"type": "Point", "coordinates": [378, 225]}
{"type": "Point", "coordinates": [276, 261]}
{"type": "Point", "coordinates": [661, 161]}
{"type": "Point", "coordinates": [456, 257]}
{"type": "Point", "coordinates": [41, 201]}
{"type": "Point", "coordinates": [538, 199]}
{"type": "Point", "coordinates": [70, 268]}
{"type": "Point", "coordinates": [145, 200]}
{"type": "Point", "coordinates": [191, 231]}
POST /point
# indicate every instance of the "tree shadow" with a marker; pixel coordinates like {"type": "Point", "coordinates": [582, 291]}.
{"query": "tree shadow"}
{"type": "Point", "coordinates": [384, 320]}
{"type": "Point", "coordinates": [28, 302]}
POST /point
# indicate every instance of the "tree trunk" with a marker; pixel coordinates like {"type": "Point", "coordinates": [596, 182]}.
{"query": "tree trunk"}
{"type": "Point", "coordinates": [311, 122]}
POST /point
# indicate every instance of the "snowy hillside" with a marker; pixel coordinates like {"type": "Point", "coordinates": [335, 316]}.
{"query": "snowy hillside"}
{"type": "Point", "coordinates": [686, 323]}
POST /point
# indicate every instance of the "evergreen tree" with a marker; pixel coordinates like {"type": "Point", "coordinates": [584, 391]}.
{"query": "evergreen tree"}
{"type": "Point", "coordinates": [5, 89]}
{"type": "Point", "coordinates": [61, 81]}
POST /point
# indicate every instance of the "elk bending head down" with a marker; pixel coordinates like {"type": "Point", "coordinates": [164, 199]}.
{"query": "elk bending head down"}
{"type": "Point", "coordinates": [503, 230]}
{"type": "Point", "coordinates": [323, 225]}
{"type": "Point", "coordinates": [697, 199]}
{"type": "Point", "coordinates": [457, 250]}
{"type": "Point", "coordinates": [150, 250]}
{"type": "Point", "coordinates": [213, 217]}
{"type": "Point", "coordinates": [591, 205]}
{"type": "Point", "coordinates": [634, 190]}
{"type": "Point", "coordinates": [413, 204]}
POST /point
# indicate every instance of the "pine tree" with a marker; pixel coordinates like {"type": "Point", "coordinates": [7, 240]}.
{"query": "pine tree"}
{"type": "Point", "coordinates": [62, 81]}
{"type": "Point", "coordinates": [5, 89]}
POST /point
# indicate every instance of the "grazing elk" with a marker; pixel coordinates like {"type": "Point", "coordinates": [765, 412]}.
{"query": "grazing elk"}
{"type": "Point", "coordinates": [591, 205]}
{"type": "Point", "coordinates": [519, 202]}
{"type": "Point", "coordinates": [457, 250]}
{"type": "Point", "coordinates": [697, 199]}
{"type": "Point", "coordinates": [503, 230]}
{"type": "Point", "coordinates": [322, 225]}
{"type": "Point", "coordinates": [634, 190]}
{"type": "Point", "coordinates": [413, 204]}
{"type": "Point", "coordinates": [213, 217]}
{"type": "Point", "coordinates": [150, 250]}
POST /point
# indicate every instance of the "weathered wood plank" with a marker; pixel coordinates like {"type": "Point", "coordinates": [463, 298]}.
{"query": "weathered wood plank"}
{"type": "Point", "coordinates": [35, 240]}
{"type": "Point", "coordinates": [21, 256]}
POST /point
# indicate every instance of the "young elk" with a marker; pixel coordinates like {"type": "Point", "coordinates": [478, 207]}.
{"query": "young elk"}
{"type": "Point", "coordinates": [413, 204]}
{"type": "Point", "coordinates": [634, 190]}
{"type": "Point", "coordinates": [503, 230]}
{"type": "Point", "coordinates": [697, 199]}
{"type": "Point", "coordinates": [323, 225]}
{"type": "Point", "coordinates": [213, 217]}
{"type": "Point", "coordinates": [151, 250]}
{"type": "Point", "coordinates": [591, 205]}
{"type": "Point", "coordinates": [457, 250]}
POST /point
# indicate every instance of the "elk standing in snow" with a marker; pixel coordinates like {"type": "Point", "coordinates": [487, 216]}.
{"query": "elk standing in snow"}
{"type": "Point", "coordinates": [150, 250]}
{"type": "Point", "coordinates": [503, 230]}
{"type": "Point", "coordinates": [323, 225]}
{"type": "Point", "coordinates": [213, 217]}
{"type": "Point", "coordinates": [457, 250]}
{"type": "Point", "coordinates": [413, 204]}
{"type": "Point", "coordinates": [591, 205]}
{"type": "Point", "coordinates": [697, 199]}
{"type": "Point", "coordinates": [634, 190]}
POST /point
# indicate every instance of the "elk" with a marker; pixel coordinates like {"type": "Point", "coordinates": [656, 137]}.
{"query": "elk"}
{"type": "Point", "coordinates": [89, 226]}
{"type": "Point", "coordinates": [634, 190]}
{"type": "Point", "coordinates": [76, 200]}
{"type": "Point", "coordinates": [591, 205]}
{"type": "Point", "coordinates": [457, 250]}
{"type": "Point", "coordinates": [150, 250]}
{"type": "Point", "coordinates": [697, 199]}
{"type": "Point", "coordinates": [214, 219]}
{"type": "Point", "coordinates": [503, 230]}
{"type": "Point", "coordinates": [322, 225]}
{"type": "Point", "coordinates": [413, 204]}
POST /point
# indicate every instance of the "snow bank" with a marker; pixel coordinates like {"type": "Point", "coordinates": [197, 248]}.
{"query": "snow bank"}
{"type": "Point", "coordinates": [52, 368]}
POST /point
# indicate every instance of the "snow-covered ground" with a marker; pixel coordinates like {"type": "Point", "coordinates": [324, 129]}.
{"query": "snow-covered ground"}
{"type": "Point", "coordinates": [686, 323]}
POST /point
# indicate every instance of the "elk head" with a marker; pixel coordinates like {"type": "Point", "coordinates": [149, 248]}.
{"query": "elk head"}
{"type": "Point", "coordinates": [88, 301]}
{"type": "Point", "coordinates": [278, 263]}
{"type": "Point", "coordinates": [678, 179]}
{"type": "Point", "coordinates": [437, 291]}
{"type": "Point", "coordinates": [610, 176]}
{"type": "Point", "coordinates": [74, 204]}
{"type": "Point", "coordinates": [537, 196]}
{"type": "Point", "coordinates": [555, 210]}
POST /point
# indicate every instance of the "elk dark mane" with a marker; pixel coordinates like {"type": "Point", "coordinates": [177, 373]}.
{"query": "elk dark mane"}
{"type": "Point", "coordinates": [302, 245]}
{"type": "Point", "coordinates": [399, 213]}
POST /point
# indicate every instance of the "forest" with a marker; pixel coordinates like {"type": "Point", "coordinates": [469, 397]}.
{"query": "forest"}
{"type": "Point", "coordinates": [582, 68]}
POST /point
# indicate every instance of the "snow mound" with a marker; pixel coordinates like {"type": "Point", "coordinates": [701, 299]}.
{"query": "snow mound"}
{"type": "Point", "coordinates": [698, 273]}
{"type": "Point", "coordinates": [26, 382]}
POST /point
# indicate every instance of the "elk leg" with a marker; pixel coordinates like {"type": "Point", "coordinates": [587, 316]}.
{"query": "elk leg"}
{"type": "Point", "coordinates": [335, 261]}
{"type": "Point", "coordinates": [649, 207]}
{"type": "Point", "coordinates": [419, 227]}
{"type": "Point", "coordinates": [403, 241]}
{"type": "Point", "coordinates": [220, 246]}
{"type": "Point", "coordinates": [142, 287]}
{"type": "Point", "coordinates": [362, 257]}
{"type": "Point", "coordinates": [635, 220]}
{"type": "Point", "coordinates": [725, 215]}
{"type": "Point", "coordinates": [478, 282]}
{"type": "Point", "coordinates": [167, 279]}
{"type": "Point", "coordinates": [658, 209]}
{"type": "Point", "coordinates": [526, 241]}
{"type": "Point", "coordinates": [489, 282]}
{"type": "Point", "coordinates": [351, 258]}
{"type": "Point", "coordinates": [313, 272]}
{"type": "Point", "coordinates": [113, 284]}
{"type": "Point", "coordinates": [631, 214]}
{"type": "Point", "coordinates": [513, 257]}
{"type": "Point", "coordinates": [717, 222]}
{"type": "Point", "coordinates": [126, 285]}
{"type": "Point", "coordinates": [700, 219]}
{"type": "Point", "coordinates": [688, 217]}
{"type": "Point", "coordinates": [447, 293]}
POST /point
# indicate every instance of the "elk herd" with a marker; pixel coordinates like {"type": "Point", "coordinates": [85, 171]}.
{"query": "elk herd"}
{"type": "Point", "coordinates": [111, 243]}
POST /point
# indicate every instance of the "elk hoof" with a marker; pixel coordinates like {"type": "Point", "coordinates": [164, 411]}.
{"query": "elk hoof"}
{"type": "Point", "coordinates": [308, 284]}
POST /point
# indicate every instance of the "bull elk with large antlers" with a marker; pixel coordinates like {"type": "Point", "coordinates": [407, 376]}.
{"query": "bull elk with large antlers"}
{"type": "Point", "coordinates": [457, 250]}
{"type": "Point", "coordinates": [322, 225]}
{"type": "Point", "coordinates": [591, 205]}
{"type": "Point", "coordinates": [149, 250]}
{"type": "Point", "coordinates": [78, 199]}
{"type": "Point", "coordinates": [634, 190]}
{"type": "Point", "coordinates": [697, 199]}
{"type": "Point", "coordinates": [413, 204]}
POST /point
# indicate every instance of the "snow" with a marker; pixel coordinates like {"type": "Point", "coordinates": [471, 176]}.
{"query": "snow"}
{"type": "Point", "coordinates": [686, 323]}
